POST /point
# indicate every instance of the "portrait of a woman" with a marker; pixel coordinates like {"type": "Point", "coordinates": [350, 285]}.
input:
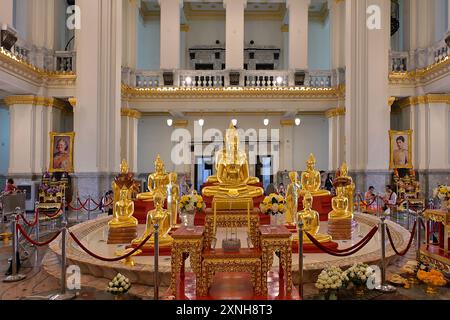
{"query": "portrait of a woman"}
{"type": "Point", "coordinates": [62, 156]}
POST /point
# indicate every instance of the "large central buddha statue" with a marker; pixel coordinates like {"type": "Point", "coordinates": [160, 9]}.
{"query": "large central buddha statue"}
{"type": "Point", "coordinates": [310, 179]}
{"type": "Point", "coordinates": [157, 182]}
{"type": "Point", "coordinates": [232, 177]}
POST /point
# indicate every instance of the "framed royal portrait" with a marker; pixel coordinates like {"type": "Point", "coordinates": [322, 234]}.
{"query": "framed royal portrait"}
{"type": "Point", "coordinates": [61, 152]}
{"type": "Point", "coordinates": [400, 149]}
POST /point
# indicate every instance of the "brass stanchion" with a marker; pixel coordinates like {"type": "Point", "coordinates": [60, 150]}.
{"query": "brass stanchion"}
{"type": "Point", "coordinates": [156, 253]}
{"type": "Point", "coordinates": [63, 295]}
{"type": "Point", "coordinates": [300, 258]}
{"type": "Point", "coordinates": [15, 277]}
{"type": "Point", "coordinates": [89, 207]}
{"type": "Point", "coordinates": [384, 287]}
{"type": "Point", "coordinates": [359, 201]}
{"type": "Point", "coordinates": [418, 238]}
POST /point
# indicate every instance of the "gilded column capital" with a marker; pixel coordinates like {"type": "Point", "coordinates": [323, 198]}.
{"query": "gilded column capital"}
{"type": "Point", "coordinates": [426, 99]}
{"type": "Point", "coordinates": [131, 113]}
{"type": "Point", "coordinates": [73, 102]}
{"type": "Point", "coordinates": [184, 27]}
{"type": "Point", "coordinates": [180, 123]}
{"type": "Point", "coordinates": [335, 112]}
{"type": "Point", "coordinates": [287, 122]}
{"type": "Point", "coordinates": [391, 101]}
{"type": "Point", "coordinates": [285, 28]}
{"type": "Point", "coordinates": [34, 101]}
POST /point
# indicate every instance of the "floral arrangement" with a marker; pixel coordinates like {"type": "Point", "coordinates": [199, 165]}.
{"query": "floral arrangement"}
{"type": "Point", "coordinates": [119, 285]}
{"type": "Point", "coordinates": [359, 273]}
{"type": "Point", "coordinates": [442, 193]}
{"type": "Point", "coordinates": [49, 190]}
{"type": "Point", "coordinates": [273, 204]}
{"type": "Point", "coordinates": [192, 202]}
{"type": "Point", "coordinates": [433, 277]}
{"type": "Point", "coordinates": [332, 278]}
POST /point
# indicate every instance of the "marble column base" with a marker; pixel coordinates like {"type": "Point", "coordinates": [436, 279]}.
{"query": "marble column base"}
{"type": "Point", "coordinates": [93, 184]}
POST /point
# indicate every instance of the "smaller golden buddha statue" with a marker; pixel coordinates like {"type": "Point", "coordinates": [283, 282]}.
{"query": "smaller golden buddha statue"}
{"type": "Point", "coordinates": [162, 217]}
{"type": "Point", "coordinates": [157, 181]}
{"type": "Point", "coordinates": [123, 179]}
{"type": "Point", "coordinates": [348, 189]}
{"type": "Point", "coordinates": [310, 179]}
{"type": "Point", "coordinates": [292, 194]}
{"type": "Point", "coordinates": [123, 212]}
{"type": "Point", "coordinates": [340, 206]}
{"type": "Point", "coordinates": [173, 196]}
{"type": "Point", "coordinates": [311, 221]}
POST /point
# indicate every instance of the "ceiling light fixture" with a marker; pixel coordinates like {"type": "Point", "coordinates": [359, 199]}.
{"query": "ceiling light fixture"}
{"type": "Point", "coordinates": [298, 121]}
{"type": "Point", "coordinates": [169, 122]}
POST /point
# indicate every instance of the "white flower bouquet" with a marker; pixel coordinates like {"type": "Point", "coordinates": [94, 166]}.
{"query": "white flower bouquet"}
{"type": "Point", "coordinates": [192, 202]}
{"type": "Point", "coordinates": [119, 285]}
{"type": "Point", "coordinates": [273, 204]}
{"type": "Point", "coordinates": [359, 273]}
{"type": "Point", "coordinates": [331, 278]}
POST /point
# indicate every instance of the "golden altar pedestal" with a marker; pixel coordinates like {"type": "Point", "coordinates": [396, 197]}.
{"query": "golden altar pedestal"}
{"type": "Point", "coordinates": [187, 242]}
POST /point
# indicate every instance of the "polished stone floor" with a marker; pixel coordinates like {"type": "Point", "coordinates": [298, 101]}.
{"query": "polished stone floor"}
{"type": "Point", "coordinates": [39, 284]}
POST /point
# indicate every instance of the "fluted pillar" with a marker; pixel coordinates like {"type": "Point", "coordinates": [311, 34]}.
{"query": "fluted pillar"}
{"type": "Point", "coordinates": [287, 135]}
{"type": "Point", "coordinates": [98, 92]}
{"type": "Point", "coordinates": [448, 15]}
{"type": "Point", "coordinates": [129, 137]}
{"type": "Point", "coordinates": [170, 34]}
{"type": "Point", "coordinates": [234, 34]}
{"type": "Point", "coordinates": [337, 29]}
{"type": "Point", "coordinates": [129, 44]}
{"type": "Point", "coordinates": [367, 118]}
{"type": "Point", "coordinates": [298, 33]}
{"type": "Point", "coordinates": [7, 12]}
{"type": "Point", "coordinates": [336, 141]}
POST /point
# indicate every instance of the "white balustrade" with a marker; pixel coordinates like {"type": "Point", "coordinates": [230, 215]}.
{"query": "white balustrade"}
{"type": "Point", "coordinates": [65, 61]}
{"type": "Point", "coordinates": [266, 78]}
{"type": "Point", "coordinates": [399, 61]}
{"type": "Point", "coordinates": [209, 78]}
{"type": "Point", "coordinates": [318, 78]}
{"type": "Point", "coordinates": [149, 79]}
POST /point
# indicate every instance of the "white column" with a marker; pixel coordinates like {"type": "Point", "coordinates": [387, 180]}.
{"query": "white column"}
{"type": "Point", "coordinates": [337, 30]}
{"type": "Point", "coordinates": [170, 34]}
{"type": "Point", "coordinates": [7, 12]}
{"type": "Point", "coordinates": [285, 48]}
{"type": "Point", "coordinates": [367, 118]}
{"type": "Point", "coordinates": [336, 140]}
{"type": "Point", "coordinates": [184, 28]}
{"type": "Point", "coordinates": [98, 91]}
{"type": "Point", "coordinates": [31, 122]}
{"type": "Point", "coordinates": [130, 33]}
{"type": "Point", "coordinates": [234, 39]}
{"type": "Point", "coordinates": [448, 15]}
{"type": "Point", "coordinates": [129, 137]}
{"type": "Point", "coordinates": [298, 33]}
{"type": "Point", "coordinates": [287, 143]}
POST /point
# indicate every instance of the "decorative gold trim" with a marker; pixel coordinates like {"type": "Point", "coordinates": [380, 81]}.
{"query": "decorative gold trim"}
{"type": "Point", "coordinates": [420, 74]}
{"type": "Point", "coordinates": [132, 113]}
{"type": "Point", "coordinates": [391, 101]}
{"type": "Point", "coordinates": [35, 101]}
{"type": "Point", "coordinates": [287, 122]}
{"type": "Point", "coordinates": [73, 102]}
{"type": "Point", "coordinates": [427, 99]}
{"type": "Point", "coordinates": [184, 28]}
{"type": "Point", "coordinates": [321, 15]}
{"type": "Point", "coordinates": [285, 28]}
{"type": "Point", "coordinates": [335, 112]}
{"type": "Point", "coordinates": [180, 123]}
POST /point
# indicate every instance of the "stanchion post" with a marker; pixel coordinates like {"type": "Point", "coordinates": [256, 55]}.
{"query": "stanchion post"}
{"type": "Point", "coordinates": [156, 253]}
{"type": "Point", "coordinates": [89, 207]}
{"type": "Point", "coordinates": [384, 287]}
{"type": "Point", "coordinates": [418, 240]}
{"type": "Point", "coordinates": [359, 202]}
{"type": "Point", "coordinates": [63, 295]}
{"type": "Point", "coordinates": [408, 213]}
{"type": "Point", "coordinates": [300, 259]}
{"type": "Point", "coordinates": [15, 276]}
{"type": "Point", "coordinates": [36, 211]}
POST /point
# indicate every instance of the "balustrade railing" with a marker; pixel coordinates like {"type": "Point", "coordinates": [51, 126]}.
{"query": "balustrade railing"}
{"type": "Point", "coordinates": [64, 61]}
{"type": "Point", "coordinates": [209, 78]}
{"type": "Point", "coordinates": [149, 79]}
{"type": "Point", "coordinates": [264, 78]}
{"type": "Point", "coordinates": [399, 61]}
{"type": "Point", "coordinates": [319, 79]}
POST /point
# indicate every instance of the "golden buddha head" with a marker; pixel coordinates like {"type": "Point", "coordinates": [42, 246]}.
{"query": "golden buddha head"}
{"type": "Point", "coordinates": [173, 177]}
{"type": "Point", "coordinates": [124, 166]}
{"type": "Point", "coordinates": [307, 201]}
{"type": "Point", "coordinates": [231, 138]}
{"type": "Point", "coordinates": [344, 170]}
{"type": "Point", "coordinates": [293, 175]}
{"type": "Point", "coordinates": [158, 199]}
{"type": "Point", "coordinates": [159, 164]}
{"type": "Point", "coordinates": [310, 164]}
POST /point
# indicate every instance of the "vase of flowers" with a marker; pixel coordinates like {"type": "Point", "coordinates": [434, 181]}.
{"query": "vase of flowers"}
{"type": "Point", "coordinates": [330, 280]}
{"type": "Point", "coordinates": [119, 286]}
{"type": "Point", "coordinates": [275, 206]}
{"type": "Point", "coordinates": [189, 205]}
{"type": "Point", "coordinates": [358, 275]}
{"type": "Point", "coordinates": [442, 194]}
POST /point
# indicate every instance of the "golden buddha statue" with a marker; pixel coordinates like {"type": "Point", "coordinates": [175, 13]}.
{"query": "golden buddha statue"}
{"type": "Point", "coordinates": [340, 206]}
{"type": "Point", "coordinates": [348, 189]}
{"type": "Point", "coordinates": [123, 179]}
{"type": "Point", "coordinates": [157, 181]}
{"type": "Point", "coordinates": [292, 193]}
{"type": "Point", "coordinates": [311, 221]}
{"type": "Point", "coordinates": [310, 179]}
{"type": "Point", "coordinates": [173, 196]}
{"type": "Point", "coordinates": [232, 178]}
{"type": "Point", "coordinates": [160, 216]}
{"type": "Point", "coordinates": [123, 212]}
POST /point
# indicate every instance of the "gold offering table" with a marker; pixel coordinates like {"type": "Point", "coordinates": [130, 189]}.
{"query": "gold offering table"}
{"type": "Point", "coordinates": [276, 239]}
{"type": "Point", "coordinates": [187, 242]}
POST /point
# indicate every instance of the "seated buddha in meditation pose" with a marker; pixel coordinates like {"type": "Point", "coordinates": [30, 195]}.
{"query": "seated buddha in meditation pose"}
{"type": "Point", "coordinates": [310, 179]}
{"type": "Point", "coordinates": [160, 216]}
{"type": "Point", "coordinates": [311, 221]}
{"type": "Point", "coordinates": [123, 179]}
{"type": "Point", "coordinates": [340, 206]}
{"type": "Point", "coordinates": [157, 181]}
{"type": "Point", "coordinates": [349, 188]}
{"type": "Point", "coordinates": [232, 174]}
{"type": "Point", "coordinates": [123, 211]}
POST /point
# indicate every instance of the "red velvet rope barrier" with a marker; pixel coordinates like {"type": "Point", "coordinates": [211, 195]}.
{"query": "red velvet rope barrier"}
{"type": "Point", "coordinates": [109, 259]}
{"type": "Point", "coordinates": [336, 253]}
{"type": "Point", "coordinates": [409, 243]}
{"type": "Point", "coordinates": [36, 218]}
{"type": "Point", "coordinates": [39, 244]}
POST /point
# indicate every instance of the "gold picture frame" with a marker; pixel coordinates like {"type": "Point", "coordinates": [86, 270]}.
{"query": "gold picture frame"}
{"type": "Point", "coordinates": [61, 160]}
{"type": "Point", "coordinates": [400, 143]}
